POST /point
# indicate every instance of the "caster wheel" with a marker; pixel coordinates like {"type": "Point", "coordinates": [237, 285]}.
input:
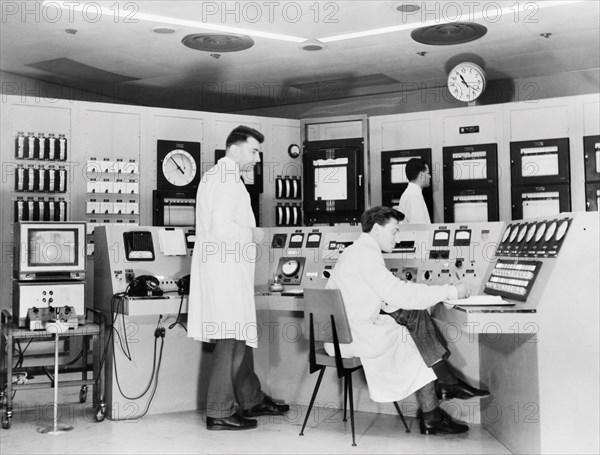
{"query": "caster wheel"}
{"type": "Point", "coordinates": [6, 421]}
{"type": "Point", "coordinates": [99, 415]}
{"type": "Point", "coordinates": [83, 394]}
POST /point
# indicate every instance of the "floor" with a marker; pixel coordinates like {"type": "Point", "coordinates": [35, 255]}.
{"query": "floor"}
{"type": "Point", "coordinates": [185, 432]}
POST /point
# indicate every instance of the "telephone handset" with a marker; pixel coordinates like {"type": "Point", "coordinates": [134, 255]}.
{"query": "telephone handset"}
{"type": "Point", "coordinates": [183, 285]}
{"type": "Point", "coordinates": [143, 286]}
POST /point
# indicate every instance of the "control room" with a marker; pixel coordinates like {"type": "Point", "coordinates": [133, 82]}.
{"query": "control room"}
{"type": "Point", "coordinates": [342, 226]}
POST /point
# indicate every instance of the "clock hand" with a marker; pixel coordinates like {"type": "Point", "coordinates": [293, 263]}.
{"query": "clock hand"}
{"type": "Point", "coordinates": [463, 80]}
{"type": "Point", "coordinates": [178, 166]}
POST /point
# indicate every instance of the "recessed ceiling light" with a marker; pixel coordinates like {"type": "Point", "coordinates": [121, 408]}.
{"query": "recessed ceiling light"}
{"type": "Point", "coordinates": [408, 7]}
{"type": "Point", "coordinates": [312, 45]}
{"type": "Point", "coordinates": [163, 30]}
{"type": "Point", "coordinates": [217, 43]}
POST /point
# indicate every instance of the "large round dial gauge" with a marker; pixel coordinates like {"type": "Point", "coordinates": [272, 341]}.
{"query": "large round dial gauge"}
{"type": "Point", "coordinates": [550, 231]}
{"type": "Point", "coordinates": [540, 231]}
{"type": "Point", "coordinates": [291, 267]}
{"type": "Point", "coordinates": [562, 229]}
{"type": "Point", "coordinates": [179, 167]}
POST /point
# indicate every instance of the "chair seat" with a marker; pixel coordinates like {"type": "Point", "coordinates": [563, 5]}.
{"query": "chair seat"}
{"type": "Point", "coordinates": [323, 358]}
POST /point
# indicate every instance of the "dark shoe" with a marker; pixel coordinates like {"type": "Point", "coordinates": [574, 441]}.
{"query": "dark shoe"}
{"type": "Point", "coordinates": [233, 422]}
{"type": "Point", "coordinates": [460, 390]}
{"type": "Point", "coordinates": [445, 425]}
{"type": "Point", "coordinates": [267, 408]}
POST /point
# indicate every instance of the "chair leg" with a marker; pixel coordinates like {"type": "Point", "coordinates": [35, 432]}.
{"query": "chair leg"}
{"type": "Point", "coordinates": [349, 378]}
{"type": "Point", "coordinates": [345, 398]}
{"type": "Point", "coordinates": [312, 399]}
{"type": "Point", "coordinates": [401, 416]}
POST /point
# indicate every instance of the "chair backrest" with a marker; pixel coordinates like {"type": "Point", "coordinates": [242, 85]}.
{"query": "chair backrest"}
{"type": "Point", "coordinates": [322, 304]}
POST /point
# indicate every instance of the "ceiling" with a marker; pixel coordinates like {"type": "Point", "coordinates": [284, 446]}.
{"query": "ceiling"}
{"type": "Point", "coordinates": [92, 47]}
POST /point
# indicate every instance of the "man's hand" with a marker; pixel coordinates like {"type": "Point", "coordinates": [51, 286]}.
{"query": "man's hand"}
{"type": "Point", "coordinates": [462, 290]}
{"type": "Point", "coordinates": [258, 234]}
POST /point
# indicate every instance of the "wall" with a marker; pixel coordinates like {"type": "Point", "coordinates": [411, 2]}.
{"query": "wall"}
{"type": "Point", "coordinates": [573, 117]}
{"type": "Point", "coordinates": [114, 131]}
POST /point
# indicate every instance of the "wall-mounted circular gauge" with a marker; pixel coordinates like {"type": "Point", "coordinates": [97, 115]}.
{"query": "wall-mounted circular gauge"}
{"type": "Point", "coordinates": [290, 268]}
{"type": "Point", "coordinates": [522, 232]}
{"type": "Point", "coordinates": [530, 232]}
{"type": "Point", "coordinates": [562, 229]}
{"type": "Point", "coordinates": [540, 231]}
{"type": "Point", "coordinates": [550, 231]}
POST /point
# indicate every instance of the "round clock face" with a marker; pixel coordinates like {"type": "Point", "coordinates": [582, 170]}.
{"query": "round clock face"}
{"type": "Point", "coordinates": [294, 150]}
{"type": "Point", "coordinates": [179, 167]}
{"type": "Point", "coordinates": [466, 81]}
{"type": "Point", "coordinates": [290, 268]}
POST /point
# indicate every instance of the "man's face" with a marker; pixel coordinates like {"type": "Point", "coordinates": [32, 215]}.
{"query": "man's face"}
{"type": "Point", "coordinates": [248, 154]}
{"type": "Point", "coordinates": [426, 177]}
{"type": "Point", "coordinates": [386, 235]}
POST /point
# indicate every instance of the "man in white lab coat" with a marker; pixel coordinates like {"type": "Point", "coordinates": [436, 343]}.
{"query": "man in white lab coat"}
{"type": "Point", "coordinates": [412, 204]}
{"type": "Point", "coordinates": [222, 308]}
{"type": "Point", "coordinates": [393, 366]}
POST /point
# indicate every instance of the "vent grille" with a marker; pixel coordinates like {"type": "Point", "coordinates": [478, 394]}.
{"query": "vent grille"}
{"type": "Point", "coordinates": [447, 34]}
{"type": "Point", "coordinates": [218, 43]}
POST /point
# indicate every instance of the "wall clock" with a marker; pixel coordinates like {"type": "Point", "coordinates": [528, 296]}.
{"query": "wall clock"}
{"type": "Point", "coordinates": [178, 165]}
{"type": "Point", "coordinates": [466, 81]}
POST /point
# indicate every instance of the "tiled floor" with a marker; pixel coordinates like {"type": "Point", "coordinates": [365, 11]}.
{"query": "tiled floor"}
{"type": "Point", "coordinates": [185, 432]}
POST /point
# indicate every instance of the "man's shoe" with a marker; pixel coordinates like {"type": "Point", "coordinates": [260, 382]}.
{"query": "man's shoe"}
{"type": "Point", "coordinates": [445, 425]}
{"type": "Point", "coordinates": [460, 390]}
{"type": "Point", "coordinates": [266, 408]}
{"type": "Point", "coordinates": [233, 422]}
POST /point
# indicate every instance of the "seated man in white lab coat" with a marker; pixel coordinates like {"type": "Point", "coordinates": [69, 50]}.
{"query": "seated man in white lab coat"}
{"type": "Point", "coordinates": [393, 365]}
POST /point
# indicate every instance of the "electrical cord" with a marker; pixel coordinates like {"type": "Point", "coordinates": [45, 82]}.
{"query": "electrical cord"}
{"type": "Point", "coordinates": [177, 321]}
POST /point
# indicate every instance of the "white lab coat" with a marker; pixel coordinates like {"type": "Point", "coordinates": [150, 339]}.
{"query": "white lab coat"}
{"type": "Point", "coordinates": [221, 300]}
{"type": "Point", "coordinates": [412, 205]}
{"type": "Point", "coordinates": [393, 366]}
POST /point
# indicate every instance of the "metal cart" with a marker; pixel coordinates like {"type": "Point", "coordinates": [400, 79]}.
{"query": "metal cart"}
{"type": "Point", "coordinates": [90, 330]}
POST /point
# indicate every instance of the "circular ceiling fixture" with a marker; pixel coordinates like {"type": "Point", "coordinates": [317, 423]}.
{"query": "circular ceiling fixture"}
{"type": "Point", "coordinates": [218, 43]}
{"type": "Point", "coordinates": [408, 7]}
{"type": "Point", "coordinates": [312, 45]}
{"type": "Point", "coordinates": [164, 30]}
{"type": "Point", "coordinates": [446, 34]}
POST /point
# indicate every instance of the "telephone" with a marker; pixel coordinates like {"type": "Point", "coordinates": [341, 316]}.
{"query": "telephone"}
{"type": "Point", "coordinates": [144, 286]}
{"type": "Point", "coordinates": [183, 285]}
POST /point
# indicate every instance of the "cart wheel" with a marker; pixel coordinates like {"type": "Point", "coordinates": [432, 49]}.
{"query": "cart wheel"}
{"type": "Point", "coordinates": [99, 415]}
{"type": "Point", "coordinates": [83, 394]}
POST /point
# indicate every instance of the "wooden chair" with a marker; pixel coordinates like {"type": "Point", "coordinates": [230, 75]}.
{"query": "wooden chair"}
{"type": "Point", "coordinates": [326, 321]}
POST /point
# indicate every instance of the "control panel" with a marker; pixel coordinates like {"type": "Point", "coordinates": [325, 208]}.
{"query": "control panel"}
{"type": "Point", "coordinates": [37, 318]}
{"type": "Point", "coordinates": [42, 295]}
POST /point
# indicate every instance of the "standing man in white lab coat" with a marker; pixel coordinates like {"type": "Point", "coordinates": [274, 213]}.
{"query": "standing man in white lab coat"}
{"type": "Point", "coordinates": [412, 204]}
{"type": "Point", "coordinates": [393, 365]}
{"type": "Point", "coordinates": [222, 309]}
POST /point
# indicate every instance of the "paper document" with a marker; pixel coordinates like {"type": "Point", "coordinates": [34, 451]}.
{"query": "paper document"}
{"type": "Point", "coordinates": [172, 242]}
{"type": "Point", "coordinates": [479, 300]}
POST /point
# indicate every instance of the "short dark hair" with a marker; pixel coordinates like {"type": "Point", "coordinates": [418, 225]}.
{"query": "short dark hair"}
{"type": "Point", "coordinates": [241, 134]}
{"type": "Point", "coordinates": [379, 215]}
{"type": "Point", "coordinates": [413, 167]}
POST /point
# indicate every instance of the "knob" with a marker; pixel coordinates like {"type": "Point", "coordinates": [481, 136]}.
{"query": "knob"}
{"type": "Point", "coordinates": [427, 275]}
{"type": "Point", "coordinates": [458, 263]}
{"type": "Point", "coordinates": [409, 276]}
{"type": "Point", "coordinates": [326, 273]}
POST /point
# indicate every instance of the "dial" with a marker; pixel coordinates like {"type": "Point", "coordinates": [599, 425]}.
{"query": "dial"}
{"type": "Point", "coordinates": [294, 150]}
{"type": "Point", "coordinates": [530, 232]}
{"type": "Point", "coordinates": [290, 268]}
{"type": "Point", "coordinates": [550, 231]}
{"type": "Point", "coordinates": [506, 233]}
{"type": "Point", "coordinates": [562, 229]}
{"type": "Point", "coordinates": [540, 231]}
{"type": "Point", "coordinates": [522, 232]}
{"type": "Point", "coordinates": [466, 81]}
{"type": "Point", "coordinates": [179, 167]}
{"type": "Point", "coordinates": [514, 233]}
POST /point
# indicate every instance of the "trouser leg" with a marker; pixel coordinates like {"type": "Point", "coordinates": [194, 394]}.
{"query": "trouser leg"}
{"type": "Point", "coordinates": [426, 398]}
{"type": "Point", "coordinates": [247, 385]}
{"type": "Point", "coordinates": [226, 361]}
{"type": "Point", "coordinates": [425, 334]}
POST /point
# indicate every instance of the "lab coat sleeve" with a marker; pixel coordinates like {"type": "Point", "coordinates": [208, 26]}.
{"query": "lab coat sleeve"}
{"type": "Point", "coordinates": [397, 294]}
{"type": "Point", "coordinates": [225, 226]}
